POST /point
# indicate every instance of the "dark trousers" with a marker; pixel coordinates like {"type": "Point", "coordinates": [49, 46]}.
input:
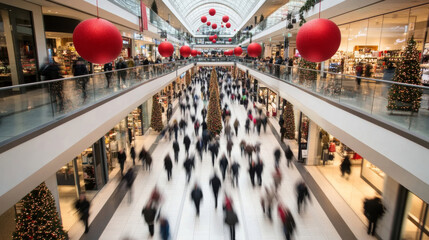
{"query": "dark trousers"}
{"type": "Point", "coordinates": [232, 231]}
{"type": "Point", "coordinates": [176, 157]}
{"type": "Point", "coordinates": [236, 131]}
{"type": "Point", "coordinates": [223, 173]}
{"type": "Point", "coordinates": [371, 227]}
{"type": "Point", "coordinates": [151, 228]}
{"type": "Point", "coordinates": [168, 174]}
{"type": "Point", "coordinates": [197, 207]}
{"type": "Point", "coordinates": [213, 158]}
{"type": "Point", "coordinates": [215, 195]}
{"type": "Point", "coordinates": [259, 179]}
{"type": "Point", "coordinates": [188, 176]}
{"type": "Point", "coordinates": [85, 222]}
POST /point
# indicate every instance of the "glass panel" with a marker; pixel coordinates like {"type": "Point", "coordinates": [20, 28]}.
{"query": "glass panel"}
{"type": "Point", "coordinates": [413, 210]}
{"type": "Point", "coordinates": [418, 24]}
{"type": "Point", "coordinates": [5, 40]}
{"type": "Point", "coordinates": [395, 29]}
{"type": "Point", "coordinates": [357, 36]}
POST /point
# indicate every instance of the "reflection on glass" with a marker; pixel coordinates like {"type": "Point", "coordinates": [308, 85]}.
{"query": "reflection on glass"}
{"type": "Point", "coordinates": [395, 30]}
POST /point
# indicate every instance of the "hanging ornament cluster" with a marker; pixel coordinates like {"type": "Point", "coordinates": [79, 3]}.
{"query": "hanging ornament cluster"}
{"type": "Point", "coordinates": [212, 12]}
{"type": "Point", "coordinates": [254, 50]}
{"type": "Point", "coordinates": [318, 40]}
{"type": "Point", "coordinates": [238, 51]}
{"type": "Point", "coordinates": [90, 41]}
{"type": "Point", "coordinates": [228, 53]}
{"type": "Point", "coordinates": [194, 53]}
{"type": "Point", "coordinates": [166, 49]}
{"type": "Point", "coordinates": [185, 51]}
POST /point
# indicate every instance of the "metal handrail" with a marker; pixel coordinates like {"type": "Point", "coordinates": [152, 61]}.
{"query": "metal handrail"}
{"type": "Point", "coordinates": [81, 76]}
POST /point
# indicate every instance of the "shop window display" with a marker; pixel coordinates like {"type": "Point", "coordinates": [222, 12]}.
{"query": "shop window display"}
{"type": "Point", "coordinates": [416, 219]}
{"type": "Point", "coordinates": [135, 122]}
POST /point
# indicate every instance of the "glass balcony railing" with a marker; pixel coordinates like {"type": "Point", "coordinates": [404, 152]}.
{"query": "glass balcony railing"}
{"type": "Point", "coordinates": [367, 95]}
{"type": "Point", "coordinates": [27, 107]}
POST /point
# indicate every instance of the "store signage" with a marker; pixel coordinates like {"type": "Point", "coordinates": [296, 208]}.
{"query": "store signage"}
{"type": "Point", "coordinates": [289, 35]}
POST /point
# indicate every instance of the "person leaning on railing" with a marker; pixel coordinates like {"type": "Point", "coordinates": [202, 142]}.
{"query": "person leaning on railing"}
{"type": "Point", "coordinates": [51, 71]}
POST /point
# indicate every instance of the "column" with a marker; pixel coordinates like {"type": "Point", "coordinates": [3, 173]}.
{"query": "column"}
{"type": "Point", "coordinates": [52, 185]}
{"type": "Point", "coordinates": [9, 46]}
{"type": "Point", "coordinates": [312, 144]}
{"type": "Point", "coordinates": [390, 197]}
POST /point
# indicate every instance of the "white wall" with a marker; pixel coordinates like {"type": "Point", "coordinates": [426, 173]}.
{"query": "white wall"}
{"type": "Point", "coordinates": [403, 160]}
{"type": "Point", "coordinates": [30, 163]}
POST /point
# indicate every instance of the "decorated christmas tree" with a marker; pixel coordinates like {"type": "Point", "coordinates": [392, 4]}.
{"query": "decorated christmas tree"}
{"type": "Point", "coordinates": [213, 80]}
{"type": "Point", "coordinates": [39, 217]}
{"type": "Point", "coordinates": [405, 98]}
{"type": "Point", "coordinates": [188, 78]}
{"type": "Point", "coordinates": [156, 119]}
{"type": "Point", "coordinates": [289, 118]}
{"type": "Point", "coordinates": [214, 116]}
{"type": "Point", "coordinates": [307, 76]}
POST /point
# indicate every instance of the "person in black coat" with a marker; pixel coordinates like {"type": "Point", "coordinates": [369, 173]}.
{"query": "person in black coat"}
{"type": "Point", "coordinates": [133, 155]}
{"type": "Point", "coordinates": [148, 161]}
{"type": "Point", "coordinates": [187, 142]}
{"type": "Point", "coordinates": [82, 206]}
{"type": "Point", "coordinates": [235, 167]}
{"type": "Point", "coordinates": [373, 210]}
{"type": "Point", "coordinates": [345, 166]}
{"type": "Point", "coordinates": [199, 147]}
{"type": "Point", "coordinates": [122, 74]}
{"type": "Point", "coordinates": [129, 178]}
{"type": "Point", "coordinates": [51, 71]}
{"type": "Point", "coordinates": [277, 154]}
{"type": "Point", "coordinates": [168, 165]}
{"type": "Point", "coordinates": [188, 165]}
{"type": "Point", "coordinates": [206, 138]}
{"type": "Point", "coordinates": [149, 214]}
{"type": "Point", "coordinates": [214, 149]}
{"type": "Point", "coordinates": [108, 69]}
{"type": "Point", "coordinates": [197, 196]}
{"type": "Point", "coordinates": [176, 149]}
{"type": "Point", "coordinates": [204, 113]}
{"type": "Point", "coordinates": [289, 156]}
{"type": "Point", "coordinates": [252, 171]}
{"type": "Point", "coordinates": [223, 164]}
{"type": "Point", "coordinates": [259, 167]}
{"type": "Point", "coordinates": [302, 194]}
{"type": "Point", "coordinates": [122, 156]}
{"type": "Point", "coordinates": [216, 184]}
{"type": "Point", "coordinates": [79, 69]}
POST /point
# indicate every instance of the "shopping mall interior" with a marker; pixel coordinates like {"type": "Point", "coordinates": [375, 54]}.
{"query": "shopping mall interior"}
{"type": "Point", "coordinates": [135, 119]}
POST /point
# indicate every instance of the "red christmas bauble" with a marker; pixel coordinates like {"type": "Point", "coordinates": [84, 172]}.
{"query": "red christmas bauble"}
{"type": "Point", "coordinates": [194, 52]}
{"type": "Point", "coordinates": [228, 25]}
{"type": "Point", "coordinates": [215, 36]}
{"type": "Point", "coordinates": [185, 51]}
{"type": "Point", "coordinates": [225, 18]}
{"type": "Point", "coordinates": [238, 51]}
{"type": "Point", "coordinates": [203, 19]}
{"type": "Point", "coordinates": [211, 38]}
{"type": "Point", "coordinates": [166, 49]}
{"type": "Point", "coordinates": [212, 12]}
{"type": "Point", "coordinates": [230, 39]}
{"type": "Point", "coordinates": [254, 49]}
{"type": "Point", "coordinates": [318, 40]}
{"type": "Point", "coordinates": [209, 23]}
{"type": "Point", "coordinates": [90, 41]}
{"type": "Point", "coordinates": [214, 25]}
{"type": "Point", "coordinates": [214, 41]}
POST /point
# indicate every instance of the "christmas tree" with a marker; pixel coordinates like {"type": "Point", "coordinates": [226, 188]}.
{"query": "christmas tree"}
{"type": "Point", "coordinates": [39, 217]}
{"type": "Point", "coordinates": [214, 117]}
{"type": "Point", "coordinates": [404, 98]}
{"type": "Point", "coordinates": [156, 119]}
{"type": "Point", "coordinates": [188, 78]}
{"type": "Point", "coordinates": [307, 76]}
{"type": "Point", "coordinates": [289, 118]}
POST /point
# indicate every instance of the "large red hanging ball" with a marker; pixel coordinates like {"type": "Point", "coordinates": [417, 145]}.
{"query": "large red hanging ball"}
{"type": "Point", "coordinates": [212, 11]}
{"type": "Point", "coordinates": [238, 51]}
{"type": "Point", "coordinates": [211, 38]}
{"type": "Point", "coordinates": [254, 49]}
{"type": "Point", "coordinates": [214, 41]}
{"type": "Point", "coordinates": [194, 52]}
{"type": "Point", "coordinates": [225, 18]}
{"type": "Point", "coordinates": [215, 36]}
{"type": "Point", "coordinates": [230, 39]}
{"type": "Point", "coordinates": [203, 19]}
{"type": "Point", "coordinates": [318, 40]}
{"type": "Point", "coordinates": [185, 51]}
{"type": "Point", "coordinates": [90, 41]}
{"type": "Point", "coordinates": [166, 49]}
{"type": "Point", "coordinates": [209, 23]}
{"type": "Point", "coordinates": [228, 25]}
{"type": "Point", "coordinates": [214, 25]}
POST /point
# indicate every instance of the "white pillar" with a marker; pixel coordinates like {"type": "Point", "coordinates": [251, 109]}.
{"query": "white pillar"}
{"type": "Point", "coordinates": [390, 196]}
{"type": "Point", "coordinates": [312, 144]}
{"type": "Point", "coordinates": [52, 185]}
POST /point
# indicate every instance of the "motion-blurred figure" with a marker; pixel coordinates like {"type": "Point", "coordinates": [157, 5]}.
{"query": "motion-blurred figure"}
{"type": "Point", "coordinates": [82, 206]}
{"type": "Point", "coordinates": [197, 196]}
{"type": "Point", "coordinates": [302, 195]}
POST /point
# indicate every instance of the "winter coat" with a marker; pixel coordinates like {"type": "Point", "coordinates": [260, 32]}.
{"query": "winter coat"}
{"type": "Point", "coordinates": [197, 194]}
{"type": "Point", "coordinates": [149, 214]}
{"type": "Point", "coordinates": [168, 164]}
{"type": "Point", "coordinates": [176, 147]}
{"type": "Point", "coordinates": [216, 183]}
{"type": "Point", "coordinates": [231, 217]}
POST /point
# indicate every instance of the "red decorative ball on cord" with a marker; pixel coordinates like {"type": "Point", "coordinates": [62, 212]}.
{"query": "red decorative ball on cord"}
{"type": "Point", "coordinates": [166, 49]}
{"type": "Point", "coordinates": [214, 41]}
{"type": "Point", "coordinates": [238, 51]}
{"type": "Point", "coordinates": [185, 51]}
{"type": "Point", "coordinates": [203, 19]}
{"type": "Point", "coordinates": [225, 18]}
{"type": "Point", "coordinates": [221, 25]}
{"type": "Point", "coordinates": [194, 52]}
{"type": "Point", "coordinates": [254, 49]}
{"type": "Point", "coordinates": [90, 41]}
{"type": "Point", "coordinates": [230, 39]}
{"type": "Point", "coordinates": [228, 25]}
{"type": "Point", "coordinates": [209, 23]}
{"type": "Point", "coordinates": [215, 36]}
{"type": "Point", "coordinates": [318, 40]}
{"type": "Point", "coordinates": [214, 25]}
{"type": "Point", "coordinates": [212, 12]}
{"type": "Point", "coordinates": [211, 38]}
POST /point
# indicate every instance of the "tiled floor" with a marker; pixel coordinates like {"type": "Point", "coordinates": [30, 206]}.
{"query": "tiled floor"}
{"type": "Point", "coordinates": [128, 223]}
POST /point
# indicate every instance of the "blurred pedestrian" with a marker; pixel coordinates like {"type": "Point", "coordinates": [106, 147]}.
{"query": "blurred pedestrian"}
{"type": "Point", "coordinates": [252, 171]}
{"type": "Point", "coordinates": [133, 155]}
{"type": "Point", "coordinates": [82, 206]}
{"type": "Point", "coordinates": [149, 213]}
{"type": "Point", "coordinates": [277, 178]}
{"type": "Point", "coordinates": [287, 220]}
{"type": "Point", "coordinates": [164, 229]}
{"type": "Point", "coordinates": [129, 178]}
{"type": "Point", "coordinates": [235, 167]}
{"type": "Point", "coordinates": [231, 218]}
{"type": "Point", "coordinates": [122, 156]}
{"type": "Point", "coordinates": [188, 165]}
{"type": "Point", "coordinates": [236, 125]}
{"type": "Point", "coordinates": [216, 184]}
{"type": "Point", "coordinates": [302, 195]}
{"type": "Point", "coordinates": [289, 156]}
{"type": "Point", "coordinates": [229, 145]}
{"type": "Point", "coordinates": [373, 210]}
{"type": "Point", "coordinates": [267, 202]}
{"type": "Point", "coordinates": [176, 149]}
{"type": "Point", "coordinates": [223, 165]}
{"type": "Point", "coordinates": [187, 142]}
{"type": "Point", "coordinates": [345, 167]}
{"type": "Point", "coordinates": [197, 196]}
{"type": "Point", "coordinates": [258, 169]}
{"type": "Point", "coordinates": [277, 154]}
{"type": "Point", "coordinates": [168, 165]}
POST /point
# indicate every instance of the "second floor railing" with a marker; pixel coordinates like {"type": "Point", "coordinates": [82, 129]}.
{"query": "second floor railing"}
{"type": "Point", "coordinates": [27, 107]}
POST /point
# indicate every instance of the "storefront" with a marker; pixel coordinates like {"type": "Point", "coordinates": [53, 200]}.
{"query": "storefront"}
{"type": "Point", "coordinates": [144, 47]}
{"type": "Point", "coordinates": [18, 54]}
{"type": "Point", "coordinates": [126, 48]}
{"type": "Point", "coordinates": [378, 42]}
{"type": "Point", "coordinates": [415, 221]}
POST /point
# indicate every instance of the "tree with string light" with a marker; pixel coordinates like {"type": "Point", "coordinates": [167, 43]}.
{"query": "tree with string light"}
{"type": "Point", "coordinates": [214, 115]}
{"type": "Point", "coordinates": [39, 218]}
{"type": "Point", "coordinates": [156, 119]}
{"type": "Point", "coordinates": [289, 121]}
{"type": "Point", "coordinates": [405, 98]}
